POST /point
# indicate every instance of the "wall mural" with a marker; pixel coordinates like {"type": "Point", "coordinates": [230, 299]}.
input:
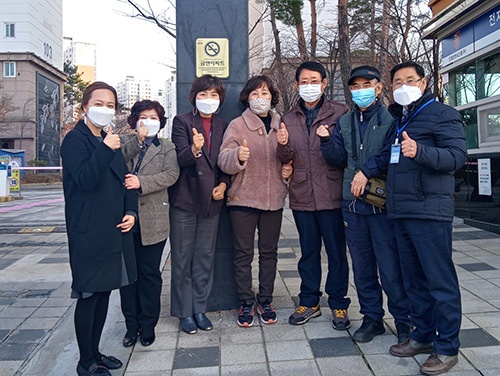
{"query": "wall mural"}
{"type": "Point", "coordinates": [48, 120]}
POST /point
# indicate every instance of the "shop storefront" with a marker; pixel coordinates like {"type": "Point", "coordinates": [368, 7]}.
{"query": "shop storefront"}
{"type": "Point", "coordinates": [469, 32]}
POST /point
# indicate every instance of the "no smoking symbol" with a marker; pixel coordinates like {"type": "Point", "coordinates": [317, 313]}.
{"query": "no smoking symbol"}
{"type": "Point", "coordinates": [212, 49]}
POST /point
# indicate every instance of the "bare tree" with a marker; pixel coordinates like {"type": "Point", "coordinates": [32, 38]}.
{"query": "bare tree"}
{"type": "Point", "coordinates": [314, 27]}
{"type": "Point", "coordinates": [281, 79]}
{"type": "Point", "coordinates": [290, 13]}
{"type": "Point", "coordinates": [6, 103]}
{"type": "Point", "coordinates": [143, 9]}
{"type": "Point", "coordinates": [28, 117]}
{"type": "Point", "coordinates": [344, 48]}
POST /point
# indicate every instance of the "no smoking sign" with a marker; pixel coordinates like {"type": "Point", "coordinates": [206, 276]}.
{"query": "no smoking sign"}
{"type": "Point", "coordinates": [212, 57]}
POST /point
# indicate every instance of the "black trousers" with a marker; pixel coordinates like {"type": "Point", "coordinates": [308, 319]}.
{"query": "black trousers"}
{"type": "Point", "coordinates": [244, 223]}
{"type": "Point", "coordinates": [140, 301]}
{"type": "Point", "coordinates": [90, 316]}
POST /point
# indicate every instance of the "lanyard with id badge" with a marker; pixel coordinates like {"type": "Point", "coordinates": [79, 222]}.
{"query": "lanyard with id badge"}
{"type": "Point", "coordinates": [396, 147]}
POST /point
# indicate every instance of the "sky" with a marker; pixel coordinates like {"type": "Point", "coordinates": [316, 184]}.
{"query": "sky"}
{"type": "Point", "coordinates": [125, 46]}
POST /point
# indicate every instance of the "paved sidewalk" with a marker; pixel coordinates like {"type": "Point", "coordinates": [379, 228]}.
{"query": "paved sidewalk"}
{"type": "Point", "coordinates": [36, 314]}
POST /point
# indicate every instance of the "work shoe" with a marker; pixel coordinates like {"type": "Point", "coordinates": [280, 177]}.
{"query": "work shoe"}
{"type": "Point", "coordinates": [303, 314]}
{"type": "Point", "coordinates": [437, 364]}
{"type": "Point", "coordinates": [410, 348]}
{"type": "Point", "coordinates": [340, 319]}
{"type": "Point", "coordinates": [267, 313]}
{"type": "Point", "coordinates": [403, 332]}
{"type": "Point", "coordinates": [245, 317]}
{"type": "Point", "coordinates": [368, 330]}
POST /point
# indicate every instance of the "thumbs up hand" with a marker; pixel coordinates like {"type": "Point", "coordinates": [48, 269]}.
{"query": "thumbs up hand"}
{"type": "Point", "coordinates": [243, 152]}
{"type": "Point", "coordinates": [198, 142]}
{"type": "Point", "coordinates": [142, 132]}
{"type": "Point", "coordinates": [282, 135]}
{"type": "Point", "coordinates": [408, 146]}
{"type": "Point", "coordinates": [112, 140]}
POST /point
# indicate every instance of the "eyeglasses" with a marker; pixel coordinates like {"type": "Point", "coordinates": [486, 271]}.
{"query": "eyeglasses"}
{"type": "Point", "coordinates": [409, 82]}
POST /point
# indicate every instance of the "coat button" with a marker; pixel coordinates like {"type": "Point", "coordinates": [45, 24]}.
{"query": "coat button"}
{"type": "Point", "coordinates": [142, 203]}
{"type": "Point", "coordinates": [200, 173]}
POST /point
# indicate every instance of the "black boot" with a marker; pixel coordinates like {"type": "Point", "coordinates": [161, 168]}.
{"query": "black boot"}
{"type": "Point", "coordinates": [368, 330]}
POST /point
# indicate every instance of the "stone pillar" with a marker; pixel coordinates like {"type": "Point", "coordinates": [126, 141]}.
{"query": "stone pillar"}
{"type": "Point", "coordinates": [215, 19]}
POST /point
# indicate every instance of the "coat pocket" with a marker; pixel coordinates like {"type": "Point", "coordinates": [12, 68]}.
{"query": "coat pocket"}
{"type": "Point", "coordinates": [299, 188]}
{"type": "Point", "coordinates": [85, 214]}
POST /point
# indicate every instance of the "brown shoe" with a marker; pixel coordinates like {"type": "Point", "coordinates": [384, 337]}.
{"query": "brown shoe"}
{"type": "Point", "coordinates": [437, 364]}
{"type": "Point", "coordinates": [410, 348]}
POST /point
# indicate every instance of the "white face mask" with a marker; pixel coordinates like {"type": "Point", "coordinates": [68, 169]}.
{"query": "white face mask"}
{"type": "Point", "coordinates": [100, 116]}
{"type": "Point", "coordinates": [152, 125]}
{"type": "Point", "coordinates": [310, 93]}
{"type": "Point", "coordinates": [207, 106]}
{"type": "Point", "coordinates": [407, 94]}
{"type": "Point", "coordinates": [260, 106]}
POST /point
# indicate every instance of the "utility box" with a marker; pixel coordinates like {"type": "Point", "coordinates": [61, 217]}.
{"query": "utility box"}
{"type": "Point", "coordinates": [17, 155]}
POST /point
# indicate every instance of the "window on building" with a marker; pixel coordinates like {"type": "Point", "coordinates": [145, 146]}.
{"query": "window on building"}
{"type": "Point", "coordinates": [9, 69]}
{"type": "Point", "coordinates": [488, 71]}
{"type": "Point", "coordinates": [469, 118]}
{"type": "Point", "coordinates": [6, 143]}
{"type": "Point", "coordinates": [489, 120]}
{"type": "Point", "coordinates": [464, 80]}
{"type": "Point", "coordinates": [10, 30]}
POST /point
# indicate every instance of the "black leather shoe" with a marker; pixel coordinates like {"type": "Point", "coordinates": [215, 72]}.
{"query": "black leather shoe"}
{"type": "Point", "coordinates": [129, 341]}
{"type": "Point", "coordinates": [94, 370]}
{"type": "Point", "coordinates": [147, 341]}
{"type": "Point", "coordinates": [110, 362]}
{"type": "Point", "coordinates": [403, 332]}
{"type": "Point", "coordinates": [202, 321]}
{"type": "Point", "coordinates": [368, 330]}
{"type": "Point", "coordinates": [188, 325]}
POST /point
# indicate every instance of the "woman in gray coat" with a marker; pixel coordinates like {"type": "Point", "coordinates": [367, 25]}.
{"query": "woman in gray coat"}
{"type": "Point", "coordinates": [153, 170]}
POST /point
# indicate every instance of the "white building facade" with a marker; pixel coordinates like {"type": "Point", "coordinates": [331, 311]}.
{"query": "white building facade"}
{"type": "Point", "coordinates": [31, 58]}
{"type": "Point", "coordinates": [131, 91]}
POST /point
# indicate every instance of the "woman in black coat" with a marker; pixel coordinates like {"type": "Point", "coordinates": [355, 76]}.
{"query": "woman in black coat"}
{"type": "Point", "coordinates": [196, 201]}
{"type": "Point", "coordinates": [100, 213]}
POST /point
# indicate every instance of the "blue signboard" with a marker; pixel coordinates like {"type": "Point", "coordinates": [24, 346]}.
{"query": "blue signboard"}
{"type": "Point", "coordinates": [487, 28]}
{"type": "Point", "coordinates": [458, 44]}
{"type": "Point", "coordinates": [477, 34]}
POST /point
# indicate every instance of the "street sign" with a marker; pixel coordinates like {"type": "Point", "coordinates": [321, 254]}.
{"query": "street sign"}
{"type": "Point", "coordinates": [212, 57]}
{"type": "Point", "coordinates": [15, 178]}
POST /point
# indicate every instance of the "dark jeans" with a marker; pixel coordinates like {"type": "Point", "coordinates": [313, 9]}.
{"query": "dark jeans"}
{"type": "Point", "coordinates": [140, 301]}
{"type": "Point", "coordinates": [90, 316]}
{"type": "Point", "coordinates": [431, 282]}
{"type": "Point", "coordinates": [192, 240]}
{"type": "Point", "coordinates": [268, 224]}
{"type": "Point", "coordinates": [372, 245]}
{"type": "Point", "coordinates": [313, 226]}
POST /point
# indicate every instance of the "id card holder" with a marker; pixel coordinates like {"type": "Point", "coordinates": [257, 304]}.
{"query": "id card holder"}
{"type": "Point", "coordinates": [395, 152]}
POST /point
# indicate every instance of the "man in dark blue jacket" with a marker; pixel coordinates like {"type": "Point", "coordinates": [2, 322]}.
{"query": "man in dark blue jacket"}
{"type": "Point", "coordinates": [428, 146]}
{"type": "Point", "coordinates": [356, 143]}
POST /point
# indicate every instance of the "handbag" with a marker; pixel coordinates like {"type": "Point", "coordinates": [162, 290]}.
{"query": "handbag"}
{"type": "Point", "coordinates": [375, 190]}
